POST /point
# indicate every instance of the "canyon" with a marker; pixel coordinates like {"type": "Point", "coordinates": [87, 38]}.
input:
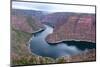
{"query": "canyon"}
{"type": "Point", "coordinates": [30, 45]}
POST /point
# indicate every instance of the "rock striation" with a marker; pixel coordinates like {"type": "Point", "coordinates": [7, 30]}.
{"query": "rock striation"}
{"type": "Point", "coordinates": [79, 27]}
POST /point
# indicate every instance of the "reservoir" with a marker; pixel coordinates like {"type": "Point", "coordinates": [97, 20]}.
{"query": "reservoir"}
{"type": "Point", "coordinates": [39, 46]}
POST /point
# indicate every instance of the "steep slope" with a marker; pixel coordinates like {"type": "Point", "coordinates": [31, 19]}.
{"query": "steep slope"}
{"type": "Point", "coordinates": [54, 19]}
{"type": "Point", "coordinates": [22, 28]}
{"type": "Point", "coordinates": [77, 27]}
{"type": "Point", "coordinates": [38, 14]}
{"type": "Point", "coordinates": [58, 18]}
{"type": "Point", "coordinates": [25, 23]}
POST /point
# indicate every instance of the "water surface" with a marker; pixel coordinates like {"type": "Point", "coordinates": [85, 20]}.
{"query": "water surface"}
{"type": "Point", "coordinates": [39, 46]}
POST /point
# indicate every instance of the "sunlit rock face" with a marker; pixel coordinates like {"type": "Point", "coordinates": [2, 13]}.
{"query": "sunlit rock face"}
{"type": "Point", "coordinates": [79, 27]}
{"type": "Point", "coordinates": [27, 24]}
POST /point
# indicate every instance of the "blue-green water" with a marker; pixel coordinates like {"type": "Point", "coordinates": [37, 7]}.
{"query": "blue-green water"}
{"type": "Point", "coordinates": [39, 46]}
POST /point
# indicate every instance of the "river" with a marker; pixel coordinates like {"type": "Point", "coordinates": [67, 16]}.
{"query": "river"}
{"type": "Point", "coordinates": [40, 47]}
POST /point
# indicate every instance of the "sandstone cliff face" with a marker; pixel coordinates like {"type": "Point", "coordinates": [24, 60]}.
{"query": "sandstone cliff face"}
{"type": "Point", "coordinates": [27, 24]}
{"type": "Point", "coordinates": [55, 19]}
{"type": "Point", "coordinates": [76, 27]}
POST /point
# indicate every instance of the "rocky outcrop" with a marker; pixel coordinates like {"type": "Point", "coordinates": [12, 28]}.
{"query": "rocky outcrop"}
{"type": "Point", "coordinates": [76, 27]}
{"type": "Point", "coordinates": [27, 24]}
{"type": "Point", "coordinates": [22, 28]}
{"type": "Point", "coordinates": [55, 19]}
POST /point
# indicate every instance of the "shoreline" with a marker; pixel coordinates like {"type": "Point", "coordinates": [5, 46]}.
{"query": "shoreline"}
{"type": "Point", "coordinates": [65, 40]}
{"type": "Point", "coordinates": [28, 45]}
{"type": "Point", "coordinates": [40, 30]}
{"type": "Point", "coordinates": [56, 60]}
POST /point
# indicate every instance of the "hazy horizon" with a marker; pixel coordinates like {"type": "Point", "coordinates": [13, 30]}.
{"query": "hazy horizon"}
{"type": "Point", "coordinates": [52, 7]}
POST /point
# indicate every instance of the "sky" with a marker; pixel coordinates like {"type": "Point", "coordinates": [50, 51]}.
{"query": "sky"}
{"type": "Point", "coordinates": [52, 7]}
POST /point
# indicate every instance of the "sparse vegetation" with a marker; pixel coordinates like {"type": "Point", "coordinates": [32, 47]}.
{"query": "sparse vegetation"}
{"type": "Point", "coordinates": [32, 22]}
{"type": "Point", "coordinates": [21, 31]}
{"type": "Point", "coordinates": [20, 53]}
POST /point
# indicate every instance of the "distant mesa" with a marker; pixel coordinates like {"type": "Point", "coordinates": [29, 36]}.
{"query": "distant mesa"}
{"type": "Point", "coordinates": [38, 14]}
{"type": "Point", "coordinates": [68, 27]}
